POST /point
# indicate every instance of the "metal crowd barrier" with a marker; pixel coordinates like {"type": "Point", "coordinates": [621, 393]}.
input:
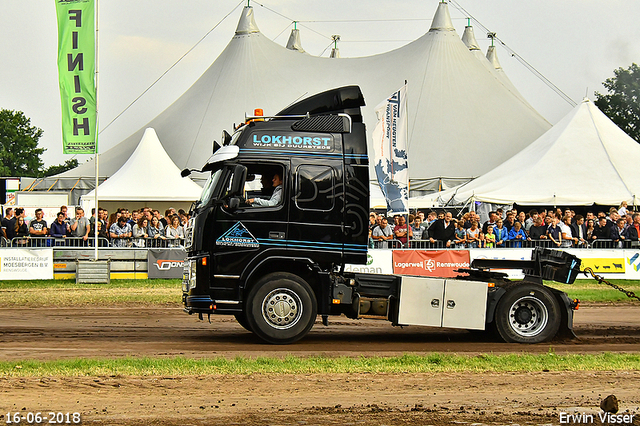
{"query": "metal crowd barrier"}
{"type": "Point", "coordinates": [545, 243]}
{"type": "Point", "coordinates": [79, 242]}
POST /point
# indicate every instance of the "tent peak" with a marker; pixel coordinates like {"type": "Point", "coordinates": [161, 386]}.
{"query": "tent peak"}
{"type": "Point", "coordinates": [247, 23]}
{"type": "Point", "coordinates": [469, 38]}
{"type": "Point", "coordinates": [294, 42]}
{"type": "Point", "coordinates": [492, 56]}
{"type": "Point", "coordinates": [442, 19]}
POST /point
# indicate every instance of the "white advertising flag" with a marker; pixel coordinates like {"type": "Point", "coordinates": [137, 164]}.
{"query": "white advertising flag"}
{"type": "Point", "coordinates": [390, 151]}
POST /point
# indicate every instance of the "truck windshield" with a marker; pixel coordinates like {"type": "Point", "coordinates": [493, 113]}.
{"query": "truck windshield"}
{"type": "Point", "coordinates": [209, 187]}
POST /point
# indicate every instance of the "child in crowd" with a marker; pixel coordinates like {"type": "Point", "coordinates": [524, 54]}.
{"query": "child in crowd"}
{"type": "Point", "coordinates": [490, 238]}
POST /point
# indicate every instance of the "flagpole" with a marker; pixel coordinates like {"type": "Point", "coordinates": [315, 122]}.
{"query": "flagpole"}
{"type": "Point", "coordinates": [406, 95]}
{"type": "Point", "coordinates": [95, 224]}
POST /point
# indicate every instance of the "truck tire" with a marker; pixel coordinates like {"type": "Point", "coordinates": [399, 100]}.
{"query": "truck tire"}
{"type": "Point", "coordinates": [242, 320]}
{"type": "Point", "coordinates": [281, 308]}
{"type": "Point", "coordinates": [527, 313]}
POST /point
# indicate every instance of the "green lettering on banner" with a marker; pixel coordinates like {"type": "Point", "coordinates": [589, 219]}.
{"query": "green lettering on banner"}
{"type": "Point", "coordinates": [76, 71]}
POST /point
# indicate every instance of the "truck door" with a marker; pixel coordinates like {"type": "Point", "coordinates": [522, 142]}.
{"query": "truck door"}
{"type": "Point", "coordinates": [316, 208]}
{"type": "Point", "coordinates": [245, 232]}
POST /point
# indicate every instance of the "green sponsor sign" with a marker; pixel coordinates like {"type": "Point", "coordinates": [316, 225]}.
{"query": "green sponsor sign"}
{"type": "Point", "coordinates": [76, 70]}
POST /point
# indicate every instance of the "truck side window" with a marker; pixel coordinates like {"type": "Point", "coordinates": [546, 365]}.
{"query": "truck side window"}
{"type": "Point", "coordinates": [265, 185]}
{"type": "Point", "coordinates": [315, 188]}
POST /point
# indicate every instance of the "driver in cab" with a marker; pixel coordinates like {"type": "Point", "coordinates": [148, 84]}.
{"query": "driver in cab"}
{"type": "Point", "coordinates": [276, 197]}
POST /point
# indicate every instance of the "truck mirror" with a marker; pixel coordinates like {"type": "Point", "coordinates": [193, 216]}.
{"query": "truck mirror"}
{"type": "Point", "coordinates": [234, 203]}
{"type": "Point", "coordinates": [239, 177]}
{"type": "Point", "coordinates": [185, 173]}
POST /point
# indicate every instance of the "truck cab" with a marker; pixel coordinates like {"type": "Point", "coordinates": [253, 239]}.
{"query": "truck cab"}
{"type": "Point", "coordinates": [317, 148]}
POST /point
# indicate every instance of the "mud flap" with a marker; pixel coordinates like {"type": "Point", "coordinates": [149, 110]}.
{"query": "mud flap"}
{"type": "Point", "coordinates": [566, 325]}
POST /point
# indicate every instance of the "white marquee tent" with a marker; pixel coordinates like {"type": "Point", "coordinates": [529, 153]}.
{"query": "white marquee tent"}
{"type": "Point", "coordinates": [456, 103]}
{"type": "Point", "coordinates": [582, 160]}
{"type": "Point", "coordinates": [148, 178]}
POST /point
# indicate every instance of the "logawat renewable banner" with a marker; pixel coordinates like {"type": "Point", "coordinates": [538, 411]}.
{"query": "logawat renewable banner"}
{"type": "Point", "coordinates": [76, 71]}
{"type": "Point", "coordinates": [436, 263]}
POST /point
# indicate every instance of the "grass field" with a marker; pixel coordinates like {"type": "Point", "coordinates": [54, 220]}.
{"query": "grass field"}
{"type": "Point", "coordinates": [66, 293]}
{"type": "Point", "coordinates": [321, 365]}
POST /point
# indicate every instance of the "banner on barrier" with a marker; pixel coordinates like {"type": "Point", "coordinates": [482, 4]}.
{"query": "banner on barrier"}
{"type": "Point", "coordinates": [436, 263]}
{"type": "Point", "coordinates": [166, 263]}
{"type": "Point", "coordinates": [378, 262]}
{"type": "Point", "coordinates": [22, 264]}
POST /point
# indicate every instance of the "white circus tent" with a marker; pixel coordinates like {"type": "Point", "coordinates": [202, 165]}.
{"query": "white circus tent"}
{"type": "Point", "coordinates": [148, 178]}
{"type": "Point", "coordinates": [456, 103]}
{"type": "Point", "coordinates": [582, 160]}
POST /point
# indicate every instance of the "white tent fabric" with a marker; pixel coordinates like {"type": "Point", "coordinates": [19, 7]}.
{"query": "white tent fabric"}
{"type": "Point", "coordinates": [456, 104]}
{"type": "Point", "coordinates": [582, 160]}
{"type": "Point", "coordinates": [148, 175]}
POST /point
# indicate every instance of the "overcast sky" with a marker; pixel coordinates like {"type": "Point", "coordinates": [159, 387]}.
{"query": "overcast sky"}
{"type": "Point", "coordinates": [576, 44]}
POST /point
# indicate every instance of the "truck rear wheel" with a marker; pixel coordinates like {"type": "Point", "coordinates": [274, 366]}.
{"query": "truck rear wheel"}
{"type": "Point", "coordinates": [281, 308]}
{"type": "Point", "coordinates": [528, 313]}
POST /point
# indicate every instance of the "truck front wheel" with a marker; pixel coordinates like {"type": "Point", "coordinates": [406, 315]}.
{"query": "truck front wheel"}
{"type": "Point", "coordinates": [281, 308]}
{"type": "Point", "coordinates": [528, 313]}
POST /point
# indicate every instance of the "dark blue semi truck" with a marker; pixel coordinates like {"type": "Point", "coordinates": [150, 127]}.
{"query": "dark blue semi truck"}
{"type": "Point", "coordinates": [278, 263]}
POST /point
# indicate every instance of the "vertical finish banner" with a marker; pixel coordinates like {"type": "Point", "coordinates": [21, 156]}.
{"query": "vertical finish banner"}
{"type": "Point", "coordinates": [76, 71]}
{"type": "Point", "coordinates": [390, 151]}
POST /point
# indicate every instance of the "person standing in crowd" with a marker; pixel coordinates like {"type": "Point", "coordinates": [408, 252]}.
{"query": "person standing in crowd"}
{"type": "Point", "coordinates": [417, 229]}
{"type": "Point", "coordinates": [509, 221]}
{"type": "Point", "coordinates": [619, 234]}
{"type": "Point", "coordinates": [164, 220]}
{"type": "Point", "coordinates": [533, 215]}
{"type": "Point", "coordinates": [602, 232]}
{"type": "Point", "coordinates": [6, 219]}
{"type": "Point", "coordinates": [517, 235]}
{"type": "Point", "coordinates": [538, 231]}
{"type": "Point", "coordinates": [21, 230]}
{"type": "Point", "coordinates": [443, 230]}
{"type": "Point", "coordinates": [553, 231]}
{"type": "Point", "coordinates": [473, 235]}
{"type": "Point", "coordinates": [431, 219]}
{"type": "Point", "coordinates": [402, 232]}
{"type": "Point", "coordinates": [493, 216]}
{"type": "Point", "coordinates": [64, 209]}
{"type": "Point", "coordinates": [382, 234]}
{"type": "Point", "coordinates": [140, 233]}
{"type": "Point", "coordinates": [490, 238]}
{"type": "Point", "coordinates": [38, 226]}
{"type": "Point", "coordinates": [590, 228]}
{"type": "Point", "coordinates": [501, 233]}
{"type": "Point", "coordinates": [155, 231]}
{"type": "Point", "coordinates": [175, 230]}
{"type": "Point", "coordinates": [59, 227]}
{"type": "Point", "coordinates": [565, 230]}
{"type": "Point", "coordinates": [79, 226]}
{"type": "Point", "coordinates": [119, 231]}
{"type": "Point", "coordinates": [622, 210]}
{"type": "Point", "coordinates": [372, 221]}
{"type": "Point", "coordinates": [579, 230]}
{"type": "Point", "coordinates": [11, 224]}
{"type": "Point", "coordinates": [461, 235]}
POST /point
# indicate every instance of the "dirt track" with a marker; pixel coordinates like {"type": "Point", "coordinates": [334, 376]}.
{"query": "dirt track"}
{"type": "Point", "coordinates": [398, 399]}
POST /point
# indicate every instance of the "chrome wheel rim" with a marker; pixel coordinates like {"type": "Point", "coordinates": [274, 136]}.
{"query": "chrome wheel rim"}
{"type": "Point", "coordinates": [282, 308]}
{"type": "Point", "coordinates": [528, 316]}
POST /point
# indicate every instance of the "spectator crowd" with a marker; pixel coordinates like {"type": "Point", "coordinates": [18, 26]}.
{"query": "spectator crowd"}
{"type": "Point", "coordinates": [139, 228]}
{"type": "Point", "coordinates": [554, 228]}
